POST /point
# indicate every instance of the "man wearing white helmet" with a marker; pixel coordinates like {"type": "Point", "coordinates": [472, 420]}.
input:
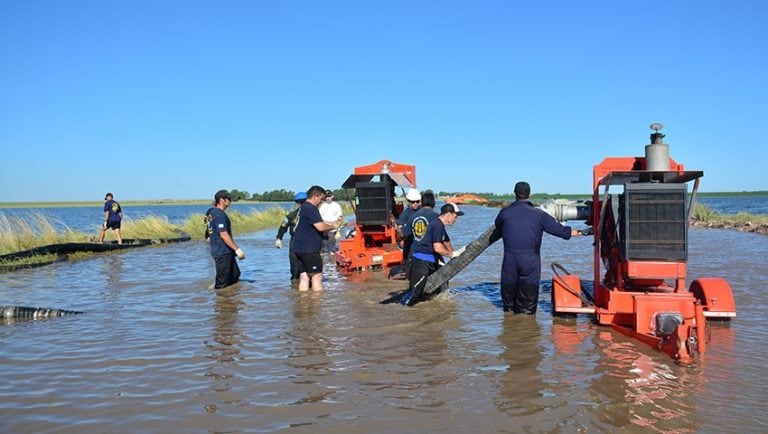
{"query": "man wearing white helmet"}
{"type": "Point", "coordinates": [403, 228]}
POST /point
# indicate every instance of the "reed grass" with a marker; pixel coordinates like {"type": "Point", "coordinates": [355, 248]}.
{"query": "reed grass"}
{"type": "Point", "coordinates": [36, 229]}
{"type": "Point", "coordinates": [705, 214]}
{"type": "Point", "coordinates": [153, 227]}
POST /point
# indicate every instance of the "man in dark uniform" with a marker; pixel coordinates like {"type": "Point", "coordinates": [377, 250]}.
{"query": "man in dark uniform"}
{"type": "Point", "coordinates": [522, 225]}
{"type": "Point", "coordinates": [419, 221]}
{"type": "Point", "coordinates": [403, 220]}
{"type": "Point", "coordinates": [113, 215]}
{"type": "Point", "coordinates": [428, 250]}
{"type": "Point", "coordinates": [223, 247]}
{"type": "Point", "coordinates": [289, 225]}
{"type": "Point", "coordinates": [308, 240]}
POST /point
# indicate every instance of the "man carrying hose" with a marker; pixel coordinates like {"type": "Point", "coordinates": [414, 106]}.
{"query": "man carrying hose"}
{"type": "Point", "coordinates": [428, 250]}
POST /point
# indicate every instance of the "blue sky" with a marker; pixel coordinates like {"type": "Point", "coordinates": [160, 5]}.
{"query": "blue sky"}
{"type": "Point", "coordinates": [177, 99]}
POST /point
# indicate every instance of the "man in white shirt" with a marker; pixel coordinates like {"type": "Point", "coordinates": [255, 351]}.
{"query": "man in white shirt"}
{"type": "Point", "coordinates": [330, 211]}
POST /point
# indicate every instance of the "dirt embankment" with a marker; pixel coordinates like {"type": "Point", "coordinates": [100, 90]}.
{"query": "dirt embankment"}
{"type": "Point", "coordinates": [738, 226]}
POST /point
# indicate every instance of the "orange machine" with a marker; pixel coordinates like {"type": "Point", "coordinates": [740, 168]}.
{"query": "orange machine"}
{"type": "Point", "coordinates": [641, 238]}
{"type": "Point", "coordinates": [372, 243]}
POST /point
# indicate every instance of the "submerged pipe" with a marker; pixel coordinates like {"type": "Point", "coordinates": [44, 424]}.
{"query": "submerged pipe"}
{"type": "Point", "coordinates": [24, 312]}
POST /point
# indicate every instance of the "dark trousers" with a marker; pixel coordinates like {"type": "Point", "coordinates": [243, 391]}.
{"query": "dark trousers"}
{"type": "Point", "coordinates": [420, 270]}
{"type": "Point", "coordinates": [520, 279]}
{"type": "Point", "coordinates": [227, 270]}
{"type": "Point", "coordinates": [294, 261]}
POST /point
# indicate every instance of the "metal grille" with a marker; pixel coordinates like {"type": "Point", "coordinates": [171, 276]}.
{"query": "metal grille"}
{"type": "Point", "coordinates": [374, 202]}
{"type": "Point", "coordinates": [654, 222]}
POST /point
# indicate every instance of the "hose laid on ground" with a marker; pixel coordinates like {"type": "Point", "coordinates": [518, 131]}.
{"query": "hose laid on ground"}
{"type": "Point", "coordinates": [61, 250]}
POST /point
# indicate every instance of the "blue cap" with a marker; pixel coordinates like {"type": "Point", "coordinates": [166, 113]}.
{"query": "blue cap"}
{"type": "Point", "coordinates": [302, 195]}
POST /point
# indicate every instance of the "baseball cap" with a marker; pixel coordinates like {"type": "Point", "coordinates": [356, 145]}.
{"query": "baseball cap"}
{"type": "Point", "coordinates": [522, 190]}
{"type": "Point", "coordinates": [450, 207]}
{"type": "Point", "coordinates": [107, 196]}
{"type": "Point", "coordinates": [328, 193]}
{"type": "Point", "coordinates": [302, 195]}
{"type": "Point", "coordinates": [222, 194]}
{"type": "Point", "coordinates": [413, 195]}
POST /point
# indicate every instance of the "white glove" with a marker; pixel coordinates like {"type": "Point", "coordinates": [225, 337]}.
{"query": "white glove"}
{"type": "Point", "coordinates": [458, 252]}
{"type": "Point", "coordinates": [240, 253]}
{"type": "Point", "coordinates": [279, 243]}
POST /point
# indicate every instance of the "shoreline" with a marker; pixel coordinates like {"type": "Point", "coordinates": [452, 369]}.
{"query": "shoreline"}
{"type": "Point", "coordinates": [741, 226]}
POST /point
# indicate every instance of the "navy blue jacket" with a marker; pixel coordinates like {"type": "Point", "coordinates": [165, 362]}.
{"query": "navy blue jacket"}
{"type": "Point", "coordinates": [522, 226]}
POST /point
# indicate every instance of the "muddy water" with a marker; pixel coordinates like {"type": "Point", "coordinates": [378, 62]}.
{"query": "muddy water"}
{"type": "Point", "coordinates": [158, 352]}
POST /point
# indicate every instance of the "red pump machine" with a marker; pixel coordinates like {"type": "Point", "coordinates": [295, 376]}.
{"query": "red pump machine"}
{"type": "Point", "coordinates": [640, 255]}
{"type": "Point", "coordinates": [373, 243]}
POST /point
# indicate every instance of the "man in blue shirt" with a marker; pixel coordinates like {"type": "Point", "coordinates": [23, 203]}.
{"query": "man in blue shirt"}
{"type": "Point", "coordinates": [308, 240]}
{"type": "Point", "coordinates": [428, 249]}
{"type": "Point", "coordinates": [403, 220]}
{"type": "Point", "coordinates": [113, 215]}
{"type": "Point", "coordinates": [223, 247]}
{"type": "Point", "coordinates": [522, 225]}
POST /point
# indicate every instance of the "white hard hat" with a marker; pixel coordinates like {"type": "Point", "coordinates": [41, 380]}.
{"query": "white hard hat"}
{"type": "Point", "coordinates": [413, 195]}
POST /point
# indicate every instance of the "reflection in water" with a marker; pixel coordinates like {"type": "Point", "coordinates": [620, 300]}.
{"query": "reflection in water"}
{"type": "Point", "coordinates": [225, 348]}
{"type": "Point", "coordinates": [521, 386]}
{"type": "Point", "coordinates": [308, 348]}
{"type": "Point", "coordinates": [112, 269]}
{"type": "Point", "coordinates": [641, 389]}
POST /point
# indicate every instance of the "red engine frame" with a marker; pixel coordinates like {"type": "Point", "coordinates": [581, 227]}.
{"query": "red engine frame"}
{"type": "Point", "coordinates": [375, 246]}
{"type": "Point", "coordinates": [631, 294]}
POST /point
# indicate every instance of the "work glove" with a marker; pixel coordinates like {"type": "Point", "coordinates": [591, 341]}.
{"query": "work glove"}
{"type": "Point", "coordinates": [279, 243]}
{"type": "Point", "coordinates": [458, 252]}
{"type": "Point", "coordinates": [337, 236]}
{"type": "Point", "coordinates": [240, 253]}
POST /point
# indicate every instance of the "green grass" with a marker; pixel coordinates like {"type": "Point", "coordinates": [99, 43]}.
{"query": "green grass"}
{"type": "Point", "coordinates": [253, 221]}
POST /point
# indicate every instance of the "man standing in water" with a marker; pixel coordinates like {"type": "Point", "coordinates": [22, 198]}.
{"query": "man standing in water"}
{"type": "Point", "coordinates": [308, 240]}
{"type": "Point", "coordinates": [289, 225]}
{"type": "Point", "coordinates": [223, 247]}
{"type": "Point", "coordinates": [113, 216]}
{"type": "Point", "coordinates": [522, 225]}
{"type": "Point", "coordinates": [428, 250]}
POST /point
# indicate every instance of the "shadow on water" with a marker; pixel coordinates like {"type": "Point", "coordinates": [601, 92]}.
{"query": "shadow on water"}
{"type": "Point", "coordinates": [491, 291]}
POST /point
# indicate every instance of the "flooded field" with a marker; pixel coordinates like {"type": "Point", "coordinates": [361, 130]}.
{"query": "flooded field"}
{"type": "Point", "coordinates": [156, 351]}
